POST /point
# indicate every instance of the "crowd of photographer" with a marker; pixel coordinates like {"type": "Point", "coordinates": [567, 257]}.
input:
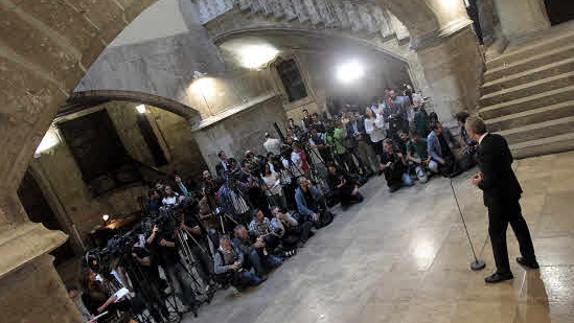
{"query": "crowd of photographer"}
{"type": "Point", "coordinates": [243, 221]}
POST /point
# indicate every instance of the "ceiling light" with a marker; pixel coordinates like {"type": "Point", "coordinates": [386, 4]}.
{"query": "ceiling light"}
{"type": "Point", "coordinates": [141, 109]}
{"type": "Point", "coordinates": [350, 72]}
{"type": "Point", "coordinates": [257, 56]}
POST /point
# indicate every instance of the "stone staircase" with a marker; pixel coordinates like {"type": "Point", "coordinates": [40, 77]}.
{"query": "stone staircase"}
{"type": "Point", "coordinates": [350, 16]}
{"type": "Point", "coordinates": [528, 94]}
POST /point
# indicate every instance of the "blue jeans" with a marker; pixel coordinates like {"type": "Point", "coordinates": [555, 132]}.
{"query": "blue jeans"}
{"type": "Point", "coordinates": [249, 278]}
{"type": "Point", "coordinates": [407, 180]}
{"type": "Point", "coordinates": [257, 262]}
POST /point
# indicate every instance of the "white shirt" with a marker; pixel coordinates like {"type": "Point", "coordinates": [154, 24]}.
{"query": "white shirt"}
{"type": "Point", "coordinates": [273, 145]}
{"type": "Point", "coordinates": [295, 158]}
{"type": "Point", "coordinates": [273, 184]}
{"type": "Point", "coordinates": [378, 109]}
{"type": "Point", "coordinates": [170, 200]}
{"type": "Point", "coordinates": [482, 137]}
{"type": "Point", "coordinates": [375, 128]}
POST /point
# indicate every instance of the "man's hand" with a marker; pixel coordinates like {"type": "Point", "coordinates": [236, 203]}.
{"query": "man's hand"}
{"type": "Point", "coordinates": [155, 229]}
{"type": "Point", "coordinates": [476, 179]}
{"type": "Point", "coordinates": [236, 265]}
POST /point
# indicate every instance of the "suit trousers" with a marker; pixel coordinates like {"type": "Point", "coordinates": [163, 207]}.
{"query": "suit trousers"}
{"type": "Point", "coordinates": [500, 214]}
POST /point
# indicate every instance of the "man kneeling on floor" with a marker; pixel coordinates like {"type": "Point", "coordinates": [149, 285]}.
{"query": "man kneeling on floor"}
{"type": "Point", "coordinates": [311, 204]}
{"type": "Point", "coordinates": [343, 186]}
{"type": "Point", "coordinates": [394, 167]}
{"type": "Point", "coordinates": [255, 253]}
{"type": "Point", "coordinates": [293, 230]}
{"type": "Point", "coordinates": [228, 266]}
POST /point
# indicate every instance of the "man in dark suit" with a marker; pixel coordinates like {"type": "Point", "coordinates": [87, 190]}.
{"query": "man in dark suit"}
{"type": "Point", "coordinates": [501, 192]}
{"type": "Point", "coordinates": [222, 166]}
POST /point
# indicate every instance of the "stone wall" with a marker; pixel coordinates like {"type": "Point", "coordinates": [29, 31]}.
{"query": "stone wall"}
{"type": "Point", "coordinates": [46, 49]}
{"type": "Point", "coordinates": [161, 60]}
{"type": "Point", "coordinates": [59, 167]}
{"type": "Point", "coordinates": [242, 130]}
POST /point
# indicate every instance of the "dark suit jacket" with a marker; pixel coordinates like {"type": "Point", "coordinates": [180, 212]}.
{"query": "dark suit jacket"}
{"type": "Point", "coordinates": [360, 127]}
{"type": "Point", "coordinates": [495, 160]}
{"type": "Point", "coordinates": [220, 170]}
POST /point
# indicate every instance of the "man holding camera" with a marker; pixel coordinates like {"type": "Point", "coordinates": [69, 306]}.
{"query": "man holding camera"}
{"type": "Point", "coordinates": [228, 266]}
{"type": "Point", "coordinates": [310, 203]}
{"type": "Point", "coordinates": [343, 186]}
{"type": "Point", "coordinates": [162, 240]}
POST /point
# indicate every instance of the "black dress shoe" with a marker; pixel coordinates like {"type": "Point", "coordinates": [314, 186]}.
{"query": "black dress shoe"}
{"type": "Point", "coordinates": [532, 264]}
{"type": "Point", "coordinates": [497, 278]}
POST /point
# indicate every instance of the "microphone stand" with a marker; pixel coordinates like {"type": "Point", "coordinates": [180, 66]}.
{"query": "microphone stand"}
{"type": "Point", "coordinates": [476, 264]}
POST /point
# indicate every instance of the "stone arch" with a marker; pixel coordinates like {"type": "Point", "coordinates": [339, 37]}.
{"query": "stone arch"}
{"type": "Point", "coordinates": [99, 96]}
{"type": "Point", "coordinates": [255, 31]}
{"type": "Point", "coordinates": [42, 71]}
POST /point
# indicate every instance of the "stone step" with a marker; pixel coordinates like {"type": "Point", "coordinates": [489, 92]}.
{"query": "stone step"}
{"type": "Point", "coordinates": [566, 51]}
{"type": "Point", "coordinates": [531, 75]}
{"type": "Point", "coordinates": [528, 103]}
{"type": "Point", "coordinates": [556, 38]}
{"type": "Point", "coordinates": [556, 111]}
{"type": "Point", "coordinates": [528, 89]}
{"type": "Point", "coordinates": [544, 146]}
{"type": "Point", "coordinates": [539, 130]}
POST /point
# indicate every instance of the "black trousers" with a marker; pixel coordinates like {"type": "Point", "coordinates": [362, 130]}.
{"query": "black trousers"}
{"type": "Point", "coordinates": [500, 214]}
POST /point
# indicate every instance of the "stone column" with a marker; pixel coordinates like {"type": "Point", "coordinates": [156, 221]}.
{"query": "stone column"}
{"type": "Point", "coordinates": [521, 17]}
{"type": "Point", "coordinates": [32, 290]}
{"type": "Point", "coordinates": [453, 65]}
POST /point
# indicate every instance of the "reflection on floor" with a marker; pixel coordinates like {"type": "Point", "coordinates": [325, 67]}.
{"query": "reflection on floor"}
{"type": "Point", "coordinates": [404, 258]}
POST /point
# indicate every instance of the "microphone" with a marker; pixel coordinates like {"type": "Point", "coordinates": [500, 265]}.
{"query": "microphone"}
{"type": "Point", "coordinates": [476, 264]}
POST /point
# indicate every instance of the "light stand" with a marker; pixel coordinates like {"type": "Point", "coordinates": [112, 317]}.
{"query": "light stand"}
{"type": "Point", "coordinates": [477, 264]}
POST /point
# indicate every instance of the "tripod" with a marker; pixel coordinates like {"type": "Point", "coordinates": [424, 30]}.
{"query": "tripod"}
{"type": "Point", "coordinates": [190, 263]}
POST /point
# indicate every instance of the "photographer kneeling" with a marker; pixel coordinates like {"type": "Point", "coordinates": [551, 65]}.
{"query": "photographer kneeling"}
{"type": "Point", "coordinates": [294, 232]}
{"type": "Point", "coordinates": [228, 266]}
{"type": "Point", "coordinates": [310, 203]}
{"type": "Point", "coordinates": [343, 186]}
{"type": "Point", "coordinates": [255, 253]}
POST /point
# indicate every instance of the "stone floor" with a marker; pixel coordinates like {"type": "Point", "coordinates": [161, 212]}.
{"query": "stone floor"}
{"type": "Point", "coordinates": [404, 258]}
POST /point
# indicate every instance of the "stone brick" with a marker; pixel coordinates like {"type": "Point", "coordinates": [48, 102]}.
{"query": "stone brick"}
{"type": "Point", "coordinates": [34, 46]}
{"type": "Point", "coordinates": [62, 19]}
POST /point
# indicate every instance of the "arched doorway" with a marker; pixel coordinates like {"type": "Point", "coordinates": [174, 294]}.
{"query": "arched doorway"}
{"type": "Point", "coordinates": [39, 210]}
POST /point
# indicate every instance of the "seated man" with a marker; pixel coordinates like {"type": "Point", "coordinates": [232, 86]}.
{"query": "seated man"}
{"type": "Point", "coordinates": [469, 145]}
{"type": "Point", "coordinates": [293, 233]}
{"type": "Point", "coordinates": [416, 155]}
{"type": "Point", "coordinates": [228, 266]}
{"type": "Point", "coordinates": [256, 254]}
{"type": "Point", "coordinates": [343, 186]}
{"type": "Point", "coordinates": [394, 167]}
{"type": "Point", "coordinates": [310, 203]}
{"type": "Point", "coordinates": [442, 159]}
{"type": "Point", "coordinates": [260, 228]}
